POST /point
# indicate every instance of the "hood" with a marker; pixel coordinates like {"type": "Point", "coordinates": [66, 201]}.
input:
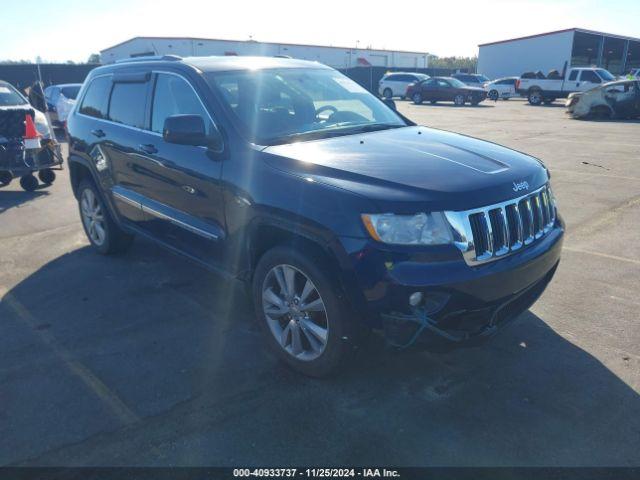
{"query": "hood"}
{"type": "Point", "coordinates": [399, 167]}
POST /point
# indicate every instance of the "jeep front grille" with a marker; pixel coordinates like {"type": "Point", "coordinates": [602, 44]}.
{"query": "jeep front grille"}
{"type": "Point", "coordinates": [492, 232]}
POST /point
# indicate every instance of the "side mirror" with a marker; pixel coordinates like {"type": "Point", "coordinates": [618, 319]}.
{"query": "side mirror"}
{"type": "Point", "coordinates": [389, 103]}
{"type": "Point", "coordinates": [189, 130]}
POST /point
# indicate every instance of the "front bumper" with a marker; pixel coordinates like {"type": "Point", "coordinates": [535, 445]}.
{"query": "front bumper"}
{"type": "Point", "coordinates": [461, 304]}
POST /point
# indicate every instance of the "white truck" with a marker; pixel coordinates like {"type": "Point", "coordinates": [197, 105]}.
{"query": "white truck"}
{"type": "Point", "coordinates": [546, 90]}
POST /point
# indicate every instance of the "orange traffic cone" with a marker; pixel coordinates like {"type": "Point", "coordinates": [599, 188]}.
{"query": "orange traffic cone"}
{"type": "Point", "coordinates": [31, 135]}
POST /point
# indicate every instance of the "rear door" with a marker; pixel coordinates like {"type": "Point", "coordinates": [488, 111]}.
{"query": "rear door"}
{"type": "Point", "coordinates": [429, 89]}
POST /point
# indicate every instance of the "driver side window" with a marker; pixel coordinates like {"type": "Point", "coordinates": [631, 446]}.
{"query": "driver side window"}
{"type": "Point", "coordinates": [174, 96]}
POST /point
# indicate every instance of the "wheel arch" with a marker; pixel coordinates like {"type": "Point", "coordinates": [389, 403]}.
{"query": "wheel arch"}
{"type": "Point", "coordinates": [79, 169]}
{"type": "Point", "coordinates": [325, 248]}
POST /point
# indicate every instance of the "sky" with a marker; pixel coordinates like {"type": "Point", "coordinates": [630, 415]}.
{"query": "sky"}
{"type": "Point", "coordinates": [63, 30]}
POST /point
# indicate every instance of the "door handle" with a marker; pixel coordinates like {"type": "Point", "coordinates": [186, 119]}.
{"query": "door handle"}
{"type": "Point", "coordinates": [98, 133]}
{"type": "Point", "coordinates": [148, 148]}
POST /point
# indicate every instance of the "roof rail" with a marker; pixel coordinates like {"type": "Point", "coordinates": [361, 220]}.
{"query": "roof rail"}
{"type": "Point", "coordinates": [150, 58]}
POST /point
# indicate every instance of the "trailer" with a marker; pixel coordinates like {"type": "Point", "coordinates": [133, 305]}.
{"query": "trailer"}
{"type": "Point", "coordinates": [24, 153]}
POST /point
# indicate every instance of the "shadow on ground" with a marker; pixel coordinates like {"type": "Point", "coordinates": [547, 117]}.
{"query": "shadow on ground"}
{"type": "Point", "coordinates": [11, 199]}
{"type": "Point", "coordinates": [145, 359]}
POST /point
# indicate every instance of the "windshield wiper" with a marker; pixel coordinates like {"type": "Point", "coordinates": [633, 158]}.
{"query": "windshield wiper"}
{"type": "Point", "coordinates": [333, 132]}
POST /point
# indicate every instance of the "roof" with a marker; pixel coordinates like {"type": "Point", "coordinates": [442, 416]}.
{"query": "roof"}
{"type": "Point", "coordinates": [222, 63]}
{"type": "Point", "coordinates": [574, 29]}
{"type": "Point", "coordinates": [196, 39]}
{"type": "Point", "coordinates": [218, 63]}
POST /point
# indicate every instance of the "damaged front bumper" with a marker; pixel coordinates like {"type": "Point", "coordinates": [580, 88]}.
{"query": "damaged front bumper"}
{"type": "Point", "coordinates": [461, 327]}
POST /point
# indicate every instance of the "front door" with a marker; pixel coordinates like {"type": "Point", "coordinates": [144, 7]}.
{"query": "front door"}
{"type": "Point", "coordinates": [185, 206]}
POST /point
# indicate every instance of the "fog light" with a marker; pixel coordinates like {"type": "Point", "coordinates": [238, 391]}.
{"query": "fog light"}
{"type": "Point", "coordinates": [415, 299]}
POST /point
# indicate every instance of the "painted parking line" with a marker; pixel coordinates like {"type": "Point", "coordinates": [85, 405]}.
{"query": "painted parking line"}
{"type": "Point", "coordinates": [603, 255]}
{"type": "Point", "coordinates": [119, 409]}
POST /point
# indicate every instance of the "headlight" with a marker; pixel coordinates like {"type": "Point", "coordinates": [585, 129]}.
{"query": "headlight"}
{"type": "Point", "coordinates": [420, 229]}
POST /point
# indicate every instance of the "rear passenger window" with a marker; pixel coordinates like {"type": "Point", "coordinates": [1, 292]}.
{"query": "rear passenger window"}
{"type": "Point", "coordinates": [573, 75]}
{"type": "Point", "coordinates": [95, 100]}
{"type": "Point", "coordinates": [174, 96]}
{"type": "Point", "coordinates": [127, 104]}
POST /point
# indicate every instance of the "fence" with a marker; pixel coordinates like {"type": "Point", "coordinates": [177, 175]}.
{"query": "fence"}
{"type": "Point", "coordinates": [22, 75]}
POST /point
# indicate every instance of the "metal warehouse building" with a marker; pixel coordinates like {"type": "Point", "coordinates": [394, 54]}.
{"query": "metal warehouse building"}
{"type": "Point", "coordinates": [337, 57]}
{"type": "Point", "coordinates": [546, 51]}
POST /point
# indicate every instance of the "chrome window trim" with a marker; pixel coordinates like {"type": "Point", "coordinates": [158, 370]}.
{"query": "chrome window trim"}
{"type": "Point", "coordinates": [143, 130]}
{"type": "Point", "coordinates": [463, 235]}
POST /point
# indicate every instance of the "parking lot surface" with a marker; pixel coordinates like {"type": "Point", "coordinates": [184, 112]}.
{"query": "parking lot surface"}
{"type": "Point", "coordinates": [146, 359]}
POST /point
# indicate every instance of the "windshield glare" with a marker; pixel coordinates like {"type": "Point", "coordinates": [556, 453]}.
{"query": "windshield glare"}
{"type": "Point", "coordinates": [605, 75]}
{"type": "Point", "coordinates": [9, 96]}
{"type": "Point", "coordinates": [456, 83]}
{"type": "Point", "coordinates": [279, 105]}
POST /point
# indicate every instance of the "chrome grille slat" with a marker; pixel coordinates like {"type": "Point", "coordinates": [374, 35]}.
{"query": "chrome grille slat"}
{"type": "Point", "coordinates": [486, 234]}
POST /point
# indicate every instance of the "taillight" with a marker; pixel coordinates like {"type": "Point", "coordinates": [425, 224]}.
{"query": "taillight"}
{"type": "Point", "coordinates": [518, 84]}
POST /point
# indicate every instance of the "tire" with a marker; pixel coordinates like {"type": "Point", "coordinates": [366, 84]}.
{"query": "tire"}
{"type": "Point", "coordinates": [387, 93]}
{"type": "Point", "coordinates": [535, 97]}
{"type": "Point", "coordinates": [459, 100]}
{"type": "Point", "coordinates": [47, 176]}
{"type": "Point", "coordinates": [112, 238]}
{"type": "Point", "coordinates": [601, 112]}
{"type": "Point", "coordinates": [5, 178]}
{"type": "Point", "coordinates": [494, 95]}
{"type": "Point", "coordinates": [417, 98]}
{"type": "Point", "coordinates": [29, 182]}
{"type": "Point", "coordinates": [278, 311]}
{"type": "Point", "coordinates": [475, 101]}
{"type": "Point", "coordinates": [403, 97]}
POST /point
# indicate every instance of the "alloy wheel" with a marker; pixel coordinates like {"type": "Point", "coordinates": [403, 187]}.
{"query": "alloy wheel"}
{"type": "Point", "coordinates": [92, 217]}
{"type": "Point", "coordinates": [295, 312]}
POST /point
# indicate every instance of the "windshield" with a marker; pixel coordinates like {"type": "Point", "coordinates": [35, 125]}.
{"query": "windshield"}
{"type": "Point", "coordinates": [9, 96]}
{"type": "Point", "coordinates": [71, 92]}
{"type": "Point", "coordinates": [605, 75]}
{"type": "Point", "coordinates": [283, 105]}
{"type": "Point", "coordinates": [456, 83]}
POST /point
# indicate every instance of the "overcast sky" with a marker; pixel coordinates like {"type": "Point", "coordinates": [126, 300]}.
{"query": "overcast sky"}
{"type": "Point", "coordinates": [72, 29]}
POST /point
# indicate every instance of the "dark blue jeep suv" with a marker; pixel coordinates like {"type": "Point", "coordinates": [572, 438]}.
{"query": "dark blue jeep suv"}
{"type": "Point", "coordinates": [338, 212]}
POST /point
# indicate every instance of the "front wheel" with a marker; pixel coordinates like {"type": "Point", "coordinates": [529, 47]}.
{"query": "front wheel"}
{"type": "Point", "coordinates": [387, 93]}
{"type": "Point", "coordinates": [459, 100]}
{"type": "Point", "coordinates": [494, 95]}
{"type": "Point", "coordinates": [417, 98]}
{"type": "Point", "coordinates": [103, 233]}
{"type": "Point", "coordinates": [302, 315]}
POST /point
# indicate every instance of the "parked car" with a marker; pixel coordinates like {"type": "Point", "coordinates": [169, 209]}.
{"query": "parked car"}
{"type": "Point", "coordinates": [620, 99]}
{"type": "Point", "coordinates": [445, 89]}
{"type": "Point", "coordinates": [26, 142]}
{"type": "Point", "coordinates": [545, 90]}
{"type": "Point", "coordinates": [60, 99]}
{"type": "Point", "coordinates": [472, 79]}
{"type": "Point", "coordinates": [11, 98]}
{"type": "Point", "coordinates": [338, 213]}
{"type": "Point", "coordinates": [504, 88]}
{"type": "Point", "coordinates": [395, 84]}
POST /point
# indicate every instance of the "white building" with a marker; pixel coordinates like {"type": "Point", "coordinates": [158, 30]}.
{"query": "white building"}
{"type": "Point", "coordinates": [337, 57]}
{"type": "Point", "coordinates": [576, 47]}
